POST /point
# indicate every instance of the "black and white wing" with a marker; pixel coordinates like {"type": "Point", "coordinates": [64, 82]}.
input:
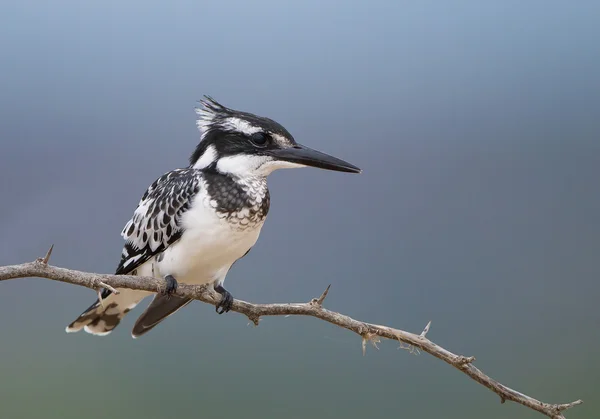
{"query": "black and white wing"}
{"type": "Point", "coordinates": [156, 222]}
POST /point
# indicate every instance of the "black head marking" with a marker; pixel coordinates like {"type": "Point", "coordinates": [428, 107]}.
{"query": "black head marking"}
{"type": "Point", "coordinates": [214, 113]}
{"type": "Point", "coordinates": [232, 132]}
{"type": "Point", "coordinates": [245, 145]}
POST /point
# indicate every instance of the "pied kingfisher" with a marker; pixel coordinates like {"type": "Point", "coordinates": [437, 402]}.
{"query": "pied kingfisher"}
{"type": "Point", "coordinates": [193, 224]}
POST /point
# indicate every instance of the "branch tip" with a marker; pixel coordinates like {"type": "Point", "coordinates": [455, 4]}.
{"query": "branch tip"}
{"type": "Point", "coordinates": [424, 332]}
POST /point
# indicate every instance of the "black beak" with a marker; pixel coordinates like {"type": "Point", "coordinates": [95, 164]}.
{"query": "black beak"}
{"type": "Point", "coordinates": [308, 157]}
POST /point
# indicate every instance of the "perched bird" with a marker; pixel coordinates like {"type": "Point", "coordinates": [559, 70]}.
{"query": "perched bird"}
{"type": "Point", "coordinates": [193, 224]}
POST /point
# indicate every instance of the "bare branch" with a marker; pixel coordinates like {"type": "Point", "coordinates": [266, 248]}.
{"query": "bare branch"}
{"type": "Point", "coordinates": [367, 331]}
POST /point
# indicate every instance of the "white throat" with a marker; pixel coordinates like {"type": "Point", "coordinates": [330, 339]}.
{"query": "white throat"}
{"type": "Point", "coordinates": [245, 165]}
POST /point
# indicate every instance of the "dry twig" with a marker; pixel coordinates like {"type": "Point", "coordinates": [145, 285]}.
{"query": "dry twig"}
{"type": "Point", "coordinates": [314, 308]}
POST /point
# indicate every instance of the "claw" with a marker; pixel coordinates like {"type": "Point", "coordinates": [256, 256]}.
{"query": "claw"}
{"type": "Point", "coordinates": [171, 286]}
{"type": "Point", "coordinates": [226, 300]}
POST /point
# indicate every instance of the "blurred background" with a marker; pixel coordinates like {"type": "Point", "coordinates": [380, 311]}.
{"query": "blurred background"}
{"type": "Point", "coordinates": [477, 127]}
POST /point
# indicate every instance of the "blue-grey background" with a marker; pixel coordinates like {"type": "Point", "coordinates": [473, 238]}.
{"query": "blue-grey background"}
{"type": "Point", "coordinates": [476, 124]}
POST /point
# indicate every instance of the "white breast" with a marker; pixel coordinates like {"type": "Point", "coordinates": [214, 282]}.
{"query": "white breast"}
{"type": "Point", "coordinates": [207, 248]}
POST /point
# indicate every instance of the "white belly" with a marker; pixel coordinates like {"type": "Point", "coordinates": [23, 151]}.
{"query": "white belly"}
{"type": "Point", "coordinates": [207, 248]}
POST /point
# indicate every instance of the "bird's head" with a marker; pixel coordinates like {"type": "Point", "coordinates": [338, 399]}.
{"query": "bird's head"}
{"type": "Point", "coordinates": [246, 145]}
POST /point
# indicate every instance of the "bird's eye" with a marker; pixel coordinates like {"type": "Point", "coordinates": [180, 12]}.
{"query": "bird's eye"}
{"type": "Point", "coordinates": [259, 139]}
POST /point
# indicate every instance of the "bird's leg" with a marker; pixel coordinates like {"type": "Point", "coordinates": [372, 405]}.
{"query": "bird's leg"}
{"type": "Point", "coordinates": [226, 300]}
{"type": "Point", "coordinates": [171, 286]}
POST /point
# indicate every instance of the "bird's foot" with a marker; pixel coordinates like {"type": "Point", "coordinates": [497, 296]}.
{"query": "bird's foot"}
{"type": "Point", "coordinates": [226, 300]}
{"type": "Point", "coordinates": [171, 286]}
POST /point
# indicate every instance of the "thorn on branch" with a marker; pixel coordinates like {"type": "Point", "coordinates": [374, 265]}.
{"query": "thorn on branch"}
{"type": "Point", "coordinates": [561, 407]}
{"type": "Point", "coordinates": [46, 258]}
{"type": "Point", "coordinates": [319, 301]}
{"type": "Point", "coordinates": [502, 399]}
{"type": "Point", "coordinates": [254, 319]}
{"type": "Point", "coordinates": [465, 360]}
{"type": "Point", "coordinates": [424, 332]}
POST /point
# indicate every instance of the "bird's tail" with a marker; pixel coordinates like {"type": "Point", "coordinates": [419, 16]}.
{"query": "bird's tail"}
{"type": "Point", "coordinates": [102, 317]}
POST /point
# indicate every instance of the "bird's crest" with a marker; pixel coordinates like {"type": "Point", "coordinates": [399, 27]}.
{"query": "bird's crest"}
{"type": "Point", "coordinates": [209, 112]}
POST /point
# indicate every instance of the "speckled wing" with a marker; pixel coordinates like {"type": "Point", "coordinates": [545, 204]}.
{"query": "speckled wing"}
{"type": "Point", "coordinates": [155, 224]}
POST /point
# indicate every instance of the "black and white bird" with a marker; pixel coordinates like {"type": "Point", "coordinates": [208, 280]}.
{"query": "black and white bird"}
{"type": "Point", "coordinates": [192, 224]}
